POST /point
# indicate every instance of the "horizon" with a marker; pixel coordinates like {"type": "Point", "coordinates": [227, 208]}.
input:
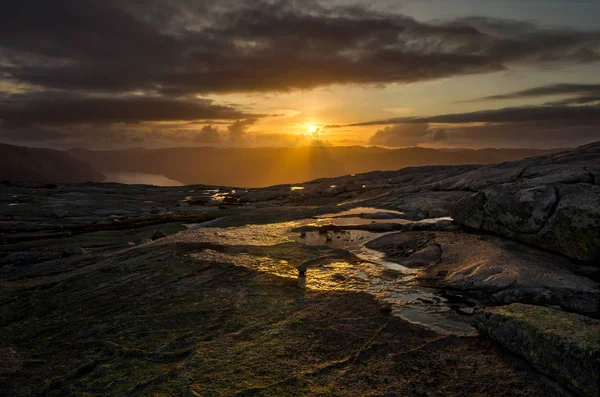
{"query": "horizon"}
{"type": "Point", "coordinates": [282, 73]}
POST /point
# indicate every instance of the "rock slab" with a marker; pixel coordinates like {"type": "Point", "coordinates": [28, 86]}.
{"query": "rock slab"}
{"type": "Point", "coordinates": [565, 346]}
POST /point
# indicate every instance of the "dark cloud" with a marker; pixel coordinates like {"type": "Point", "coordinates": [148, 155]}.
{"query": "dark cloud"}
{"type": "Point", "coordinates": [211, 46]}
{"type": "Point", "coordinates": [62, 109]}
{"type": "Point", "coordinates": [509, 135]}
{"type": "Point", "coordinates": [544, 135]}
{"type": "Point", "coordinates": [30, 134]}
{"type": "Point", "coordinates": [407, 135]}
{"type": "Point", "coordinates": [544, 113]}
{"type": "Point", "coordinates": [579, 90]}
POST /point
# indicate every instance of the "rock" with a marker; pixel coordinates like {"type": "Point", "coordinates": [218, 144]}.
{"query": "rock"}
{"type": "Point", "coordinates": [158, 234]}
{"type": "Point", "coordinates": [75, 251]}
{"type": "Point", "coordinates": [552, 202]}
{"type": "Point", "coordinates": [145, 241]}
{"type": "Point", "coordinates": [10, 362]}
{"type": "Point", "coordinates": [198, 201]}
{"type": "Point", "coordinates": [466, 310]}
{"type": "Point", "coordinates": [427, 256]}
{"type": "Point", "coordinates": [410, 249]}
{"type": "Point", "coordinates": [428, 204]}
{"type": "Point", "coordinates": [505, 272]}
{"type": "Point", "coordinates": [382, 215]}
{"type": "Point", "coordinates": [60, 213]}
{"type": "Point", "coordinates": [25, 258]}
{"type": "Point", "coordinates": [386, 308]}
{"type": "Point", "coordinates": [565, 346]}
{"type": "Point", "coordinates": [574, 229]}
{"type": "Point", "coordinates": [231, 199]}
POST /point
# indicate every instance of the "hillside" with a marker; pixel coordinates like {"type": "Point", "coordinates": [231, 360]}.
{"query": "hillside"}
{"type": "Point", "coordinates": [19, 163]}
{"type": "Point", "coordinates": [259, 167]}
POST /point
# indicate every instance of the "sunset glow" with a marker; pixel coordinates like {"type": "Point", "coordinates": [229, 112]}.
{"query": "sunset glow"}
{"type": "Point", "coordinates": [345, 73]}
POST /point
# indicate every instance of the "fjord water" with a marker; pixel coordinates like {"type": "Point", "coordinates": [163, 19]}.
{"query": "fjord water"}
{"type": "Point", "coordinates": [140, 178]}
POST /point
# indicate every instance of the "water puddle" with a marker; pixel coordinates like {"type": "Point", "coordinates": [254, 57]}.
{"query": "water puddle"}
{"type": "Point", "coordinates": [367, 272]}
{"type": "Point", "coordinates": [361, 211]}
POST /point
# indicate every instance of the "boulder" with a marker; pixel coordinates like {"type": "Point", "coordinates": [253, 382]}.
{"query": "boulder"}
{"type": "Point", "coordinates": [565, 346]}
{"type": "Point", "coordinates": [563, 217]}
{"type": "Point", "coordinates": [158, 234]}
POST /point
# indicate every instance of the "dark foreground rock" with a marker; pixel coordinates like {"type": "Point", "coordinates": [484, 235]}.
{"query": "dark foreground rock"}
{"type": "Point", "coordinates": [564, 346]}
{"type": "Point", "coordinates": [153, 321]}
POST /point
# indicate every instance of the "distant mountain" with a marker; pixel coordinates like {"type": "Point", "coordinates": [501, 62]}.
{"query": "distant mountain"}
{"type": "Point", "coordinates": [259, 167]}
{"type": "Point", "coordinates": [19, 163]}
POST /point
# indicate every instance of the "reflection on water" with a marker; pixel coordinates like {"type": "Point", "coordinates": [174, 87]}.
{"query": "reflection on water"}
{"type": "Point", "coordinates": [360, 211]}
{"type": "Point", "coordinates": [365, 271]}
{"type": "Point", "coordinates": [140, 178]}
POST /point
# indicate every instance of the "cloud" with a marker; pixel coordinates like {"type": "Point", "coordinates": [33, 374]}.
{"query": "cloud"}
{"type": "Point", "coordinates": [544, 113]}
{"type": "Point", "coordinates": [547, 126]}
{"type": "Point", "coordinates": [280, 140]}
{"type": "Point", "coordinates": [212, 46]}
{"type": "Point", "coordinates": [30, 133]}
{"type": "Point", "coordinates": [238, 130]}
{"type": "Point", "coordinates": [208, 134]}
{"type": "Point", "coordinates": [407, 135]}
{"type": "Point", "coordinates": [72, 109]}
{"type": "Point", "coordinates": [579, 90]}
{"type": "Point", "coordinates": [543, 135]}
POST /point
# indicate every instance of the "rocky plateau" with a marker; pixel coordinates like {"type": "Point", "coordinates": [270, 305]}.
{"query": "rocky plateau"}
{"type": "Point", "coordinates": [479, 280]}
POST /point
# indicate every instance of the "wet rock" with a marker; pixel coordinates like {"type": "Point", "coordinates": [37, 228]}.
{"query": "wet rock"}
{"type": "Point", "coordinates": [425, 257]}
{"type": "Point", "coordinates": [158, 234]}
{"type": "Point", "coordinates": [505, 272]}
{"type": "Point", "coordinates": [408, 249]}
{"type": "Point", "coordinates": [565, 346]}
{"type": "Point", "coordinates": [382, 215]}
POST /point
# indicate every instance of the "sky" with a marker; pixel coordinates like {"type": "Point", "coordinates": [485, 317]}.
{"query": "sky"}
{"type": "Point", "coordinates": [113, 74]}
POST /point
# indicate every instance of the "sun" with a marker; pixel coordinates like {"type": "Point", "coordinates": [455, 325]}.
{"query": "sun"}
{"type": "Point", "coordinates": [314, 130]}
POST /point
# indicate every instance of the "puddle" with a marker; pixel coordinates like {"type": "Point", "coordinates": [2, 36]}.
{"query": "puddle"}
{"type": "Point", "coordinates": [360, 211]}
{"type": "Point", "coordinates": [388, 281]}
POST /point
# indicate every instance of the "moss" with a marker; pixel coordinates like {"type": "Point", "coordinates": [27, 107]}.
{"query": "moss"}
{"type": "Point", "coordinates": [563, 345]}
{"type": "Point", "coordinates": [575, 241]}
